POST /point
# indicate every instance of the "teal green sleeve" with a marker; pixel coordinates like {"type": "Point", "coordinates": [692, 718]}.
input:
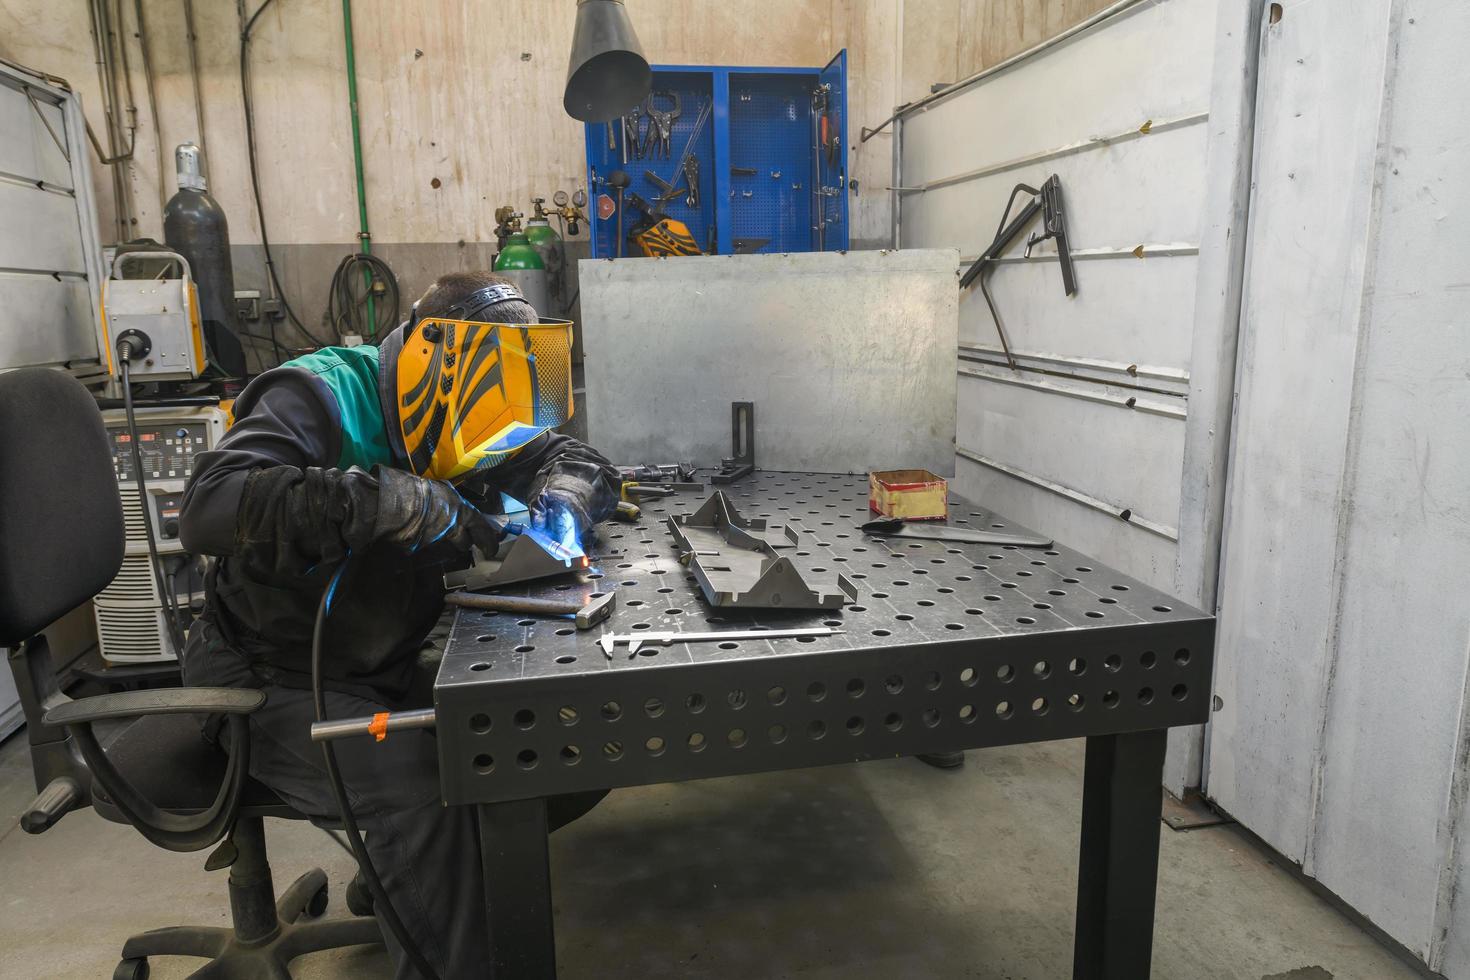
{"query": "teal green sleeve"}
{"type": "Point", "coordinates": [351, 375]}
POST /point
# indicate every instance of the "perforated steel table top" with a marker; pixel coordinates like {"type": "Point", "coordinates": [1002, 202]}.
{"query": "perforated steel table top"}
{"type": "Point", "coordinates": [948, 646]}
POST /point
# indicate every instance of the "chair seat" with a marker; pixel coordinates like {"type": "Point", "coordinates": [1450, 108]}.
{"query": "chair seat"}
{"type": "Point", "coordinates": [167, 759]}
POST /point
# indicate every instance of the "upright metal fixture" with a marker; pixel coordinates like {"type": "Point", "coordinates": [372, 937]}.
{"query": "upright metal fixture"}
{"type": "Point", "coordinates": [607, 74]}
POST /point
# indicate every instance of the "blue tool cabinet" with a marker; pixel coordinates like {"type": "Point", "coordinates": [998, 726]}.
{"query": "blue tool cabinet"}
{"type": "Point", "coordinates": [765, 120]}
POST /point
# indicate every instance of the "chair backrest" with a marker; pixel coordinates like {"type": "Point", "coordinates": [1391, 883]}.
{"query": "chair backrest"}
{"type": "Point", "coordinates": [61, 521]}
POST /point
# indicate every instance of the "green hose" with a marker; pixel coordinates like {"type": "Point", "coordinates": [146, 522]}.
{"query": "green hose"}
{"type": "Point", "coordinates": [364, 237]}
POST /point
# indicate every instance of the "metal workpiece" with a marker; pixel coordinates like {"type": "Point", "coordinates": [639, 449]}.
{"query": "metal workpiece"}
{"type": "Point", "coordinates": [897, 527]}
{"type": "Point", "coordinates": [947, 646]}
{"type": "Point", "coordinates": [738, 567]}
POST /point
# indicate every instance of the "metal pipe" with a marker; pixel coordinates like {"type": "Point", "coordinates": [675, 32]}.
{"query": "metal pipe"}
{"type": "Point", "coordinates": [1157, 250]}
{"type": "Point", "coordinates": [375, 725]}
{"type": "Point", "coordinates": [364, 236]}
{"type": "Point", "coordinates": [1088, 363]}
{"type": "Point", "coordinates": [163, 194]}
{"type": "Point", "coordinates": [192, 40]}
{"type": "Point", "coordinates": [1011, 62]}
{"type": "Point", "coordinates": [1147, 129]}
{"type": "Point", "coordinates": [1129, 402]}
{"type": "Point", "coordinates": [1076, 496]}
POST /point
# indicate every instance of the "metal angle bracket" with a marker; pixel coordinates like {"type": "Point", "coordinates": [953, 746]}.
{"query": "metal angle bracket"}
{"type": "Point", "coordinates": [524, 560]}
{"type": "Point", "coordinates": [741, 461]}
{"type": "Point", "coordinates": [737, 568]}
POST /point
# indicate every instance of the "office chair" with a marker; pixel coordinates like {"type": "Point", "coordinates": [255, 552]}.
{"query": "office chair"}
{"type": "Point", "coordinates": [61, 522]}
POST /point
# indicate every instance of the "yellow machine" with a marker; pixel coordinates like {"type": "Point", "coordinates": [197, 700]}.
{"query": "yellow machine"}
{"type": "Point", "coordinates": [157, 317]}
{"type": "Point", "coordinates": [471, 394]}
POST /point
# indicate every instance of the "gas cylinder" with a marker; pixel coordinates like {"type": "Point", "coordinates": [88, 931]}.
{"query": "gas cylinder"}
{"type": "Point", "coordinates": [548, 245]}
{"type": "Point", "coordinates": [194, 225]}
{"type": "Point", "coordinates": [521, 264]}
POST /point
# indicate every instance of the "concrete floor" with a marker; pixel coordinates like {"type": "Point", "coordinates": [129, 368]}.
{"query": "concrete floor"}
{"type": "Point", "coordinates": [889, 869]}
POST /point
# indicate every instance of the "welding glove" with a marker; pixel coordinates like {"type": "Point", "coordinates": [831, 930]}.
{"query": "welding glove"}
{"type": "Point", "coordinates": [418, 513]}
{"type": "Point", "coordinates": [290, 516]}
{"type": "Point", "coordinates": [561, 516]}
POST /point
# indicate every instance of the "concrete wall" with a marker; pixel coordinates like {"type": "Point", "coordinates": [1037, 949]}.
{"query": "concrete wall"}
{"type": "Point", "coordinates": [947, 40]}
{"type": "Point", "coordinates": [460, 104]}
{"type": "Point", "coordinates": [1344, 738]}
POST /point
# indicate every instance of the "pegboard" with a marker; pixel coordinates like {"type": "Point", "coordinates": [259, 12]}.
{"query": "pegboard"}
{"type": "Point", "coordinates": [762, 119]}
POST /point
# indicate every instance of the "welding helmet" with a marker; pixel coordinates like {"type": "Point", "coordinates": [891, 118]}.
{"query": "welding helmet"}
{"type": "Point", "coordinates": [470, 394]}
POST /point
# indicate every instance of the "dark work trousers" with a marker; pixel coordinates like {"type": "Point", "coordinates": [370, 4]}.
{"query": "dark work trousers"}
{"type": "Point", "coordinates": [426, 853]}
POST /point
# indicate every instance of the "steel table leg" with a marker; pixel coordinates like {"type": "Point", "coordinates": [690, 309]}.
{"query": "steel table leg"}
{"type": "Point", "coordinates": [1122, 796]}
{"type": "Point", "coordinates": [514, 855]}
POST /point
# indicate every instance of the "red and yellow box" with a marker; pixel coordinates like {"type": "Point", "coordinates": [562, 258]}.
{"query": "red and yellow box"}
{"type": "Point", "coordinates": [913, 495]}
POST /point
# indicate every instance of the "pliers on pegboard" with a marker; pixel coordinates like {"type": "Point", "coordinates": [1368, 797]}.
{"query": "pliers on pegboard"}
{"type": "Point", "coordinates": [661, 124]}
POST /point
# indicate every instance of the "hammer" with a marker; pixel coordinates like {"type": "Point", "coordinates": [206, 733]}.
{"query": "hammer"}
{"type": "Point", "coordinates": [586, 615]}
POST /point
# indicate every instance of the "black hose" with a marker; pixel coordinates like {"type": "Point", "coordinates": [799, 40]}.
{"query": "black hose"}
{"type": "Point", "coordinates": [265, 243]}
{"type": "Point", "coordinates": [175, 632]}
{"type": "Point", "coordinates": [352, 284]}
{"type": "Point", "coordinates": [382, 905]}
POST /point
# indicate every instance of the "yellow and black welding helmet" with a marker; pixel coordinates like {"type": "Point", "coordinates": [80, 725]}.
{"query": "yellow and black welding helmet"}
{"type": "Point", "coordinates": [470, 394]}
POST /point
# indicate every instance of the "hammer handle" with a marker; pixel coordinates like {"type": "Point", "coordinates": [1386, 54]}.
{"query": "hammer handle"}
{"type": "Point", "coordinates": [514, 604]}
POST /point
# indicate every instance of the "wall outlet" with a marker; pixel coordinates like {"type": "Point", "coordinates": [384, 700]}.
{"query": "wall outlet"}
{"type": "Point", "coordinates": [247, 304]}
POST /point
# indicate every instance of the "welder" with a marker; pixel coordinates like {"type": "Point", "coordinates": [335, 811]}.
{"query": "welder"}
{"type": "Point", "coordinates": [386, 458]}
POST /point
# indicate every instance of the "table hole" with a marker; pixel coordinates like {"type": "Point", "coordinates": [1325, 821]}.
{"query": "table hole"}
{"type": "Point", "coordinates": [991, 598]}
{"type": "Point", "coordinates": [665, 590]}
{"type": "Point", "coordinates": [893, 721]}
{"type": "Point", "coordinates": [612, 751]}
{"type": "Point", "coordinates": [695, 741]}
{"type": "Point", "coordinates": [570, 755]}
{"type": "Point", "coordinates": [525, 719]}
{"type": "Point", "coordinates": [612, 710]}
{"type": "Point", "coordinates": [1071, 581]}
{"type": "Point", "coordinates": [486, 637]}
{"type": "Point", "coordinates": [564, 631]}
{"type": "Point", "coordinates": [930, 717]}
{"type": "Point", "coordinates": [1025, 620]}
{"type": "Point", "coordinates": [659, 571]}
{"type": "Point", "coordinates": [1108, 600]}
{"type": "Point", "coordinates": [654, 745]}
{"type": "Point", "coordinates": [855, 725]}
{"type": "Point", "coordinates": [942, 591]}
{"type": "Point", "coordinates": [1077, 666]}
{"type": "Point", "coordinates": [1042, 669]}
{"type": "Point", "coordinates": [1008, 585]}
{"type": "Point", "coordinates": [525, 622]}
{"type": "Point", "coordinates": [1181, 657]}
{"type": "Point", "coordinates": [480, 723]}
{"type": "Point", "coordinates": [1003, 710]}
{"type": "Point", "coordinates": [831, 622]}
{"type": "Point", "coordinates": [776, 694]}
{"type": "Point", "coordinates": [1076, 701]}
{"type": "Point", "coordinates": [816, 730]}
{"type": "Point", "coordinates": [729, 645]}
{"type": "Point", "coordinates": [1040, 706]}
{"type": "Point", "coordinates": [594, 575]}
{"type": "Point", "coordinates": [964, 578]}
{"type": "Point", "coordinates": [567, 715]}
{"type": "Point", "coordinates": [1083, 568]}
{"type": "Point", "coordinates": [1038, 562]}
{"type": "Point", "coordinates": [648, 651]}
{"type": "Point", "coordinates": [1163, 608]}
{"type": "Point", "coordinates": [1040, 605]}
{"type": "Point", "coordinates": [525, 648]}
{"type": "Point", "coordinates": [967, 676]}
{"type": "Point", "coordinates": [1147, 659]}
{"type": "Point", "coordinates": [736, 699]}
{"type": "Point", "coordinates": [1005, 673]}
{"type": "Point", "coordinates": [777, 734]}
{"type": "Point", "coordinates": [925, 603]}
{"type": "Point", "coordinates": [1145, 695]}
{"type": "Point", "coordinates": [967, 713]}
{"type": "Point", "coordinates": [904, 618]}
{"type": "Point", "coordinates": [855, 687]}
{"type": "Point", "coordinates": [642, 626]}
{"type": "Point", "coordinates": [489, 614]}
{"type": "Point", "coordinates": [484, 763]}
{"type": "Point", "coordinates": [882, 632]}
{"type": "Point", "coordinates": [653, 707]}
{"type": "Point", "coordinates": [816, 690]}
{"type": "Point", "coordinates": [1112, 662]}
{"type": "Point", "coordinates": [673, 612]}
{"type": "Point", "coordinates": [900, 582]}
{"type": "Point", "coordinates": [526, 759]}
{"type": "Point", "coordinates": [634, 602]}
{"type": "Point", "coordinates": [1055, 592]}
{"type": "Point", "coordinates": [880, 564]}
{"type": "Point", "coordinates": [954, 626]}
{"type": "Point", "coordinates": [736, 738]}
{"type": "Point", "coordinates": [893, 684]}
{"type": "Point", "coordinates": [1023, 574]}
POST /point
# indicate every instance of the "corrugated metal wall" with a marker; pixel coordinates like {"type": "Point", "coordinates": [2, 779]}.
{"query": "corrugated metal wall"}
{"type": "Point", "coordinates": [1345, 735]}
{"type": "Point", "coordinates": [1089, 439]}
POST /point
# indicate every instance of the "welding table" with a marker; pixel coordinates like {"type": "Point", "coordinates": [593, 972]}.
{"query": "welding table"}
{"type": "Point", "coordinates": [947, 647]}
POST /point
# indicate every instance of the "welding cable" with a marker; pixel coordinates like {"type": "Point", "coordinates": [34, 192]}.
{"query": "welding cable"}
{"type": "Point", "coordinates": [247, 103]}
{"type": "Point", "coordinates": [353, 283]}
{"type": "Point", "coordinates": [174, 632]}
{"type": "Point", "coordinates": [383, 906]}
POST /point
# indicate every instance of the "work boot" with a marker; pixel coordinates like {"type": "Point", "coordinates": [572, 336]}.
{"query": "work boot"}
{"type": "Point", "coordinates": [942, 760]}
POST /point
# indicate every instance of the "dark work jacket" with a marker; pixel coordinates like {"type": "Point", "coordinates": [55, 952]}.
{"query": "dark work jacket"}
{"type": "Point", "coordinates": [264, 586]}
